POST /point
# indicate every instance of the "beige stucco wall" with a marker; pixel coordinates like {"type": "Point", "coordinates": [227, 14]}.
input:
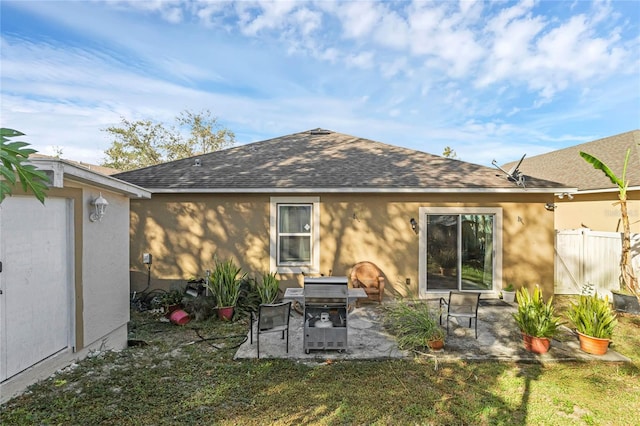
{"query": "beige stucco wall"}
{"type": "Point", "coordinates": [184, 232]}
{"type": "Point", "coordinates": [105, 257]}
{"type": "Point", "coordinates": [101, 260]}
{"type": "Point", "coordinates": [597, 212]}
{"type": "Point", "coordinates": [100, 278]}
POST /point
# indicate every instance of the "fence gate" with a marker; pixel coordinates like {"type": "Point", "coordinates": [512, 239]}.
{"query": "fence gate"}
{"type": "Point", "coordinates": [584, 257]}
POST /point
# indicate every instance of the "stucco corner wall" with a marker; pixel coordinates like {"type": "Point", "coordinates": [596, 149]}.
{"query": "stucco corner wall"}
{"type": "Point", "coordinates": [105, 272]}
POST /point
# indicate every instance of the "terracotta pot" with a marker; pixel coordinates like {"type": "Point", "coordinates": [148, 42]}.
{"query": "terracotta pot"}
{"type": "Point", "coordinates": [593, 345]}
{"type": "Point", "coordinates": [537, 345]}
{"type": "Point", "coordinates": [436, 344]}
{"type": "Point", "coordinates": [225, 313]}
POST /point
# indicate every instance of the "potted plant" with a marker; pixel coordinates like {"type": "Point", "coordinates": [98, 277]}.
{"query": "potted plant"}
{"type": "Point", "coordinates": [172, 305]}
{"type": "Point", "coordinates": [448, 260]}
{"type": "Point", "coordinates": [414, 326]}
{"type": "Point", "coordinates": [594, 321]}
{"type": "Point", "coordinates": [509, 294]}
{"type": "Point", "coordinates": [536, 320]}
{"type": "Point", "coordinates": [224, 285]}
{"type": "Point", "coordinates": [269, 287]}
{"type": "Point", "coordinates": [171, 300]}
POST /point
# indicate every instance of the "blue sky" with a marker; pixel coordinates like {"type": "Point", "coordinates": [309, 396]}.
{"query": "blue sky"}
{"type": "Point", "coordinates": [492, 80]}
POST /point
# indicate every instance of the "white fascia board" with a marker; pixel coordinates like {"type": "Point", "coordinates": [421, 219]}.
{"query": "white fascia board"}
{"type": "Point", "coordinates": [359, 190]}
{"type": "Point", "coordinates": [62, 169]}
{"type": "Point", "coordinates": [599, 191]}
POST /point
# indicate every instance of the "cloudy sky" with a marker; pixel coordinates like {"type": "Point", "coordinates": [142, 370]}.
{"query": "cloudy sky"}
{"type": "Point", "coordinates": [493, 80]}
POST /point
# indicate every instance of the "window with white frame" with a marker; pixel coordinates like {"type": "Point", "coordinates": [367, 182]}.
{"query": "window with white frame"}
{"type": "Point", "coordinates": [294, 234]}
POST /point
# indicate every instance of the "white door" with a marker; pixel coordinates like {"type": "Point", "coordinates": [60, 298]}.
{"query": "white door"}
{"type": "Point", "coordinates": [35, 304]}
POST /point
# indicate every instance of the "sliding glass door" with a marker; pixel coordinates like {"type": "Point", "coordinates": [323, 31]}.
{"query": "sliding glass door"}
{"type": "Point", "coordinates": [460, 252]}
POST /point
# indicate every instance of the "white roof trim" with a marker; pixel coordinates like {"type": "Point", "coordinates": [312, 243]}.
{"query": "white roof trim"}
{"type": "Point", "coordinates": [598, 191]}
{"type": "Point", "coordinates": [64, 169]}
{"type": "Point", "coordinates": [359, 190]}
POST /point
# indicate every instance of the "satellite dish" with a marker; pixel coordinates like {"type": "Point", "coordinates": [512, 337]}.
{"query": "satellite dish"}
{"type": "Point", "coordinates": [514, 174]}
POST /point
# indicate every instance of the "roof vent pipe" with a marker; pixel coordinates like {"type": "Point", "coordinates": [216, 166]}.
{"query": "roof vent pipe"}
{"type": "Point", "coordinates": [197, 162]}
{"type": "Point", "coordinates": [319, 131]}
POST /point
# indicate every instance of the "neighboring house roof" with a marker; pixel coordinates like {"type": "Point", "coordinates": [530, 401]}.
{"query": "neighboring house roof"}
{"type": "Point", "coordinates": [93, 167]}
{"type": "Point", "coordinates": [58, 170]}
{"type": "Point", "coordinates": [323, 161]}
{"type": "Point", "coordinates": [567, 166]}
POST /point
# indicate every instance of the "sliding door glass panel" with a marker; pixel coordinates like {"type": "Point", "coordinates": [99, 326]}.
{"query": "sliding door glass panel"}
{"type": "Point", "coordinates": [442, 252]}
{"type": "Point", "coordinates": [477, 252]}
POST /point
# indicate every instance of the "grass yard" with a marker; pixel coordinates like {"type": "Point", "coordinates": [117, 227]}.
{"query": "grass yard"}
{"type": "Point", "coordinates": [180, 379]}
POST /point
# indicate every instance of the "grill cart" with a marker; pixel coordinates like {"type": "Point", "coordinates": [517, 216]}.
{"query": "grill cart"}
{"type": "Point", "coordinates": [325, 313]}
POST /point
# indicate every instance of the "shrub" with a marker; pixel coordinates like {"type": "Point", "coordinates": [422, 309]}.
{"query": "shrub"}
{"type": "Point", "coordinates": [535, 317]}
{"type": "Point", "coordinates": [269, 288]}
{"type": "Point", "coordinates": [593, 316]}
{"type": "Point", "coordinates": [225, 283]}
{"type": "Point", "coordinates": [413, 324]}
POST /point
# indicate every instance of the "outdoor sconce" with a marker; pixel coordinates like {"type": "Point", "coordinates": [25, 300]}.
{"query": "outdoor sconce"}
{"type": "Point", "coordinates": [414, 225]}
{"type": "Point", "coordinates": [569, 196]}
{"type": "Point", "coordinates": [550, 206]}
{"type": "Point", "coordinates": [100, 204]}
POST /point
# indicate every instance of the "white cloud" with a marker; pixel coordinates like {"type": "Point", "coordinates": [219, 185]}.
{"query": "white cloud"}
{"type": "Point", "coordinates": [444, 36]}
{"type": "Point", "coordinates": [397, 66]}
{"type": "Point", "coordinates": [268, 15]}
{"type": "Point", "coordinates": [358, 18]}
{"type": "Point", "coordinates": [307, 20]}
{"type": "Point", "coordinates": [360, 60]}
{"type": "Point", "coordinates": [169, 10]}
{"type": "Point", "coordinates": [471, 75]}
{"type": "Point", "coordinates": [393, 31]}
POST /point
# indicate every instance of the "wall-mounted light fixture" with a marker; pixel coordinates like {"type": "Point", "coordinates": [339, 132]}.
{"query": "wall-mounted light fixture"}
{"type": "Point", "coordinates": [100, 205]}
{"type": "Point", "coordinates": [550, 206]}
{"type": "Point", "coordinates": [562, 195]}
{"type": "Point", "coordinates": [414, 225]}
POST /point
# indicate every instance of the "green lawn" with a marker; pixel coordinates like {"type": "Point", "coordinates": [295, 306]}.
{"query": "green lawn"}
{"type": "Point", "coordinates": [174, 381]}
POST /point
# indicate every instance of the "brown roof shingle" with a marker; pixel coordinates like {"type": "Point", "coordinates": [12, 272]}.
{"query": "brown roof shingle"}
{"type": "Point", "coordinates": [568, 167]}
{"type": "Point", "coordinates": [320, 160]}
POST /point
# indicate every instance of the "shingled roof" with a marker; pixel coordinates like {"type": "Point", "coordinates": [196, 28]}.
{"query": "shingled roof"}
{"type": "Point", "coordinates": [323, 161]}
{"type": "Point", "coordinates": [568, 167]}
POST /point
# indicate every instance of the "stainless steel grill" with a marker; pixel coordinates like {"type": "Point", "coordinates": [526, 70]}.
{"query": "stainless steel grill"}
{"type": "Point", "coordinates": [325, 312]}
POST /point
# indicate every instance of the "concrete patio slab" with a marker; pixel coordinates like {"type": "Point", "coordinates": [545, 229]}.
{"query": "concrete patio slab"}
{"type": "Point", "coordinates": [498, 339]}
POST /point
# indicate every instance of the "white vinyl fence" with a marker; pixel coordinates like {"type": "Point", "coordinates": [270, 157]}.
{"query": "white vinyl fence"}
{"type": "Point", "coordinates": [591, 257]}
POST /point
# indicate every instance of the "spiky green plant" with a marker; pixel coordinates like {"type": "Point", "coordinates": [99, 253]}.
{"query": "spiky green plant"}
{"type": "Point", "coordinates": [413, 324]}
{"type": "Point", "coordinates": [225, 282]}
{"type": "Point", "coordinates": [535, 317]}
{"type": "Point", "coordinates": [268, 288]}
{"type": "Point", "coordinates": [593, 316]}
{"type": "Point", "coordinates": [14, 167]}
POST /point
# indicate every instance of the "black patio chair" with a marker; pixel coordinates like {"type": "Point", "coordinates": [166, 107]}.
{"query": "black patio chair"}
{"type": "Point", "coordinates": [461, 304]}
{"type": "Point", "coordinates": [271, 318]}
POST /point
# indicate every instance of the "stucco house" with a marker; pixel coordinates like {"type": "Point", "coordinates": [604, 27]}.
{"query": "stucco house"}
{"type": "Point", "coordinates": [592, 205]}
{"type": "Point", "coordinates": [64, 280]}
{"type": "Point", "coordinates": [318, 201]}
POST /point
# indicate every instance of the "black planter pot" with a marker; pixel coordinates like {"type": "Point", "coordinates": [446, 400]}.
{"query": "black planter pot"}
{"type": "Point", "coordinates": [626, 303]}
